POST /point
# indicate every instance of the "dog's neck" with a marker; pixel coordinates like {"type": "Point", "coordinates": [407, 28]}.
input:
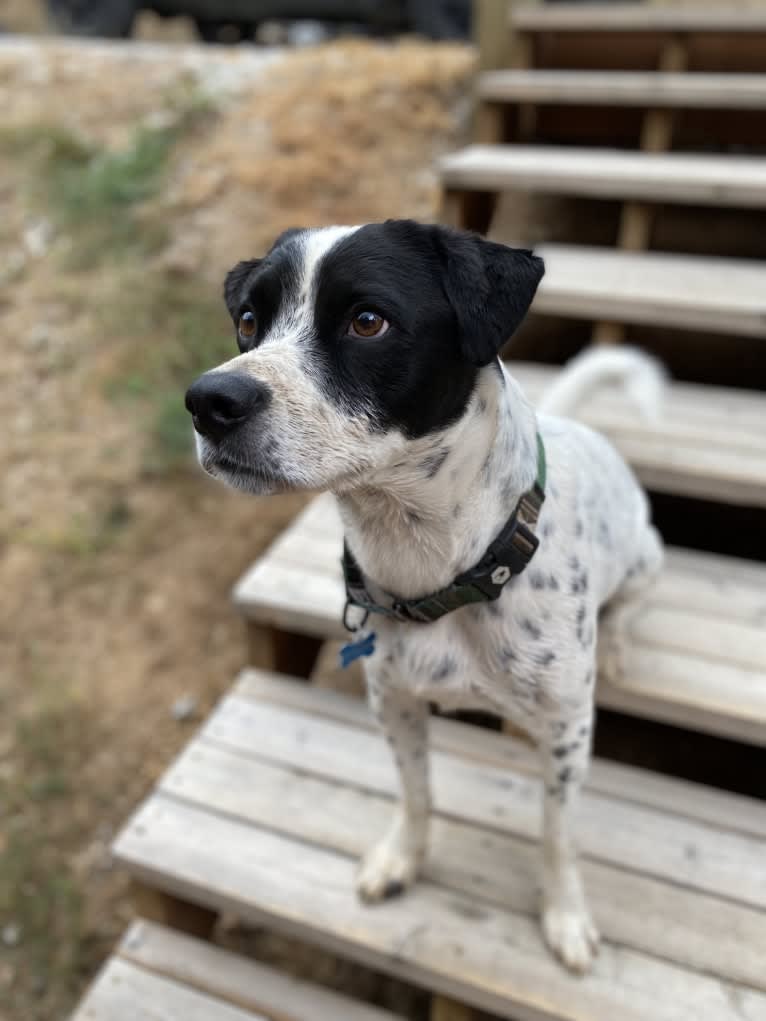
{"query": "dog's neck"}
{"type": "Point", "coordinates": [418, 523]}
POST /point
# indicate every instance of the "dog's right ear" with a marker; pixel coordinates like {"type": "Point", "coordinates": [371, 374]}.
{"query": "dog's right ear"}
{"type": "Point", "coordinates": [490, 288]}
{"type": "Point", "coordinates": [234, 282]}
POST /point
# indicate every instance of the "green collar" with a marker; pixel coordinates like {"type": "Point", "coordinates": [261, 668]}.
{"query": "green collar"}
{"type": "Point", "coordinates": [506, 557]}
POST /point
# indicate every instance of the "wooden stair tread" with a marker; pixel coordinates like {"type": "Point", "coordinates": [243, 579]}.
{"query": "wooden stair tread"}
{"type": "Point", "coordinates": [638, 17]}
{"type": "Point", "coordinates": [718, 180]}
{"type": "Point", "coordinates": [694, 646]}
{"type": "Point", "coordinates": [685, 291]}
{"type": "Point", "coordinates": [708, 442]}
{"type": "Point", "coordinates": [268, 809]}
{"type": "Point", "coordinates": [695, 89]}
{"type": "Point", "coordinates": [158, 973]}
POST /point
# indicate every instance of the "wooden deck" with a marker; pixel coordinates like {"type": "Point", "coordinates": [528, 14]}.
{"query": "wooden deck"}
{"type": "Point", "coordinates": [268, 809]}
{"type": "Point", "coordinates": [689, 90]}
{"type": "Point", "coordinates": [157, 974]}
{"type": "Point", "coordinates": [600, 18]}
{"type": "Point", "coordinates": [609, 174]}
{"type": "Point", "coordinates": [694, 647]}
{"type": "Point", "coordinates": [708, 442]}
{"type": "Point", "coordinates": [683, 291]}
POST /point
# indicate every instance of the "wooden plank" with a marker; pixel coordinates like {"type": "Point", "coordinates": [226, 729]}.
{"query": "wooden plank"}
{"type": "Point", "coordinates": [689, 691]}
{"type": "Point", "coordinates": [676, 924]}
{"type": "Point", "coordinates": [493, 33]}
{"type": "Point", "coordinates": [634, 232]}
{"type": "Point", "coordinates": [677, 797]}
{"type": "Point", "coordinates": [634, 836]}
{"type": "Point", "coordinates": [609, 173]}
{"type": "Point", "coordinates": [639, 17]}
{"type": "Point", "coordinates": [124, 992]}
{"type": "Point", "coordinates": [239, 981]}
{"type": "Point", "coordinates": [714, 587]}
{"type": "Point", "coordinates": [682, 291]}
{"type": "Point", "coordinates": [684, 90]}
{"type": "Point", "coordinates": [693, 653]}
{"type": "Point", "coordinates": [460, 946]}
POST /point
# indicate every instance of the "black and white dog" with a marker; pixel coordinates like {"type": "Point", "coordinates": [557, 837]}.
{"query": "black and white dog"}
{"type": "Point", "coordinates": [369, 366]}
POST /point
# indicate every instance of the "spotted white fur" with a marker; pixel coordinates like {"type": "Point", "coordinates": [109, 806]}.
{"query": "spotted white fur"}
{"type": "Point", "coordinates": [420, 511]}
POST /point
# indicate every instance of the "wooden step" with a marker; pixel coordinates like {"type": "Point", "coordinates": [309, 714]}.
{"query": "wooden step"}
{"type": "Point", "coordinates": [692, 90]}
{"type": "Point", "coordinates": [158, 973]}
{"type": "Point", "coordinates": [608, 174]}
{"type": "Point", "coordinates": [268, 810]}
{"type": "Point", "coordinates": [708, 442]}
{"type": "Point", "coordinates": [695, 645]}
{"type": "Point", "coordinates": [683, 291]}
{"type": "Point", "coordinates": [638, 17]}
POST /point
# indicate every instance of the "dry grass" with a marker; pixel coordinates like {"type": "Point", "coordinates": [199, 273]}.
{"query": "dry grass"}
{"type": "Point", "coordinates": [121, 205]}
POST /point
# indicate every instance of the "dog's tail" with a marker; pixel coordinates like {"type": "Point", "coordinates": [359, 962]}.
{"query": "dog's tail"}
{"type": "Point", "coordinates": [640, 376]}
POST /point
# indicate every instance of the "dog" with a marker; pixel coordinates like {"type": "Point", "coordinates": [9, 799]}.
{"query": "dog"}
{"type": "Point", "coordinates": [368, 365]}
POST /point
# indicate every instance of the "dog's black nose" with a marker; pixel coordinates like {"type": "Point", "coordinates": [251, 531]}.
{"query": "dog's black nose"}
{"type": "Point", "coordinates": [219, 401]}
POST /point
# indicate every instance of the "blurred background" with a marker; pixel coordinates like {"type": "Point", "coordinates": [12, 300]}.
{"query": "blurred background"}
{"type": "Point", "coordinates": [144, 149]}
{"type": "Point", "coordinates": [131, 179]}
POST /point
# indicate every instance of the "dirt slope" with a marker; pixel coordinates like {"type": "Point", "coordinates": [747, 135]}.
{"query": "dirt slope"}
{"type": "Point", "coordinates": [130, 179]}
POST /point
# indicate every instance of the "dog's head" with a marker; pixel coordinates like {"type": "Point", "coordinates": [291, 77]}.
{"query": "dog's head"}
{"type": "Point", "coordinates": [354, 342]}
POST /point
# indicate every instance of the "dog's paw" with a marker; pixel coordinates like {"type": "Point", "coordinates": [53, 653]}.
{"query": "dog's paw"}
{"type": "Point", "coordinates": [386, 871]}
{"type": "Point", "coordinates": [572, 936]}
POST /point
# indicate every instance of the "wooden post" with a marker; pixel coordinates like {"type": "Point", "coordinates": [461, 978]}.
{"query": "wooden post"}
{"type": "Point", "coordinates": [492, 33]}
{"type": "Point", "coordinates": [500, 47]}
{"type": "Point", "coordinates": [176, 913]}
{"type": "Point", "coordinates": [269, 648]}
{"type": "Point", "coordinates": [443, 1009]}
{"type": "Point", "coordinates": [635, 230]}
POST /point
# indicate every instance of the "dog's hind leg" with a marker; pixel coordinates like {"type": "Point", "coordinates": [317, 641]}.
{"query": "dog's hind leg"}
{"type": "Point", "coordinates": [567, 924]}
{"type": "Point", "coordinates": [392, 864]}
{"type": "Point", "coordinates": [625, 603]}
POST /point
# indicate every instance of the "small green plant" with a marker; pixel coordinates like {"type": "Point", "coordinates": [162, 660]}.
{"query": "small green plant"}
{"type": "Point", "coordinates": [189, 334]}
{"type": "Point", "coordinates": [93, 192]}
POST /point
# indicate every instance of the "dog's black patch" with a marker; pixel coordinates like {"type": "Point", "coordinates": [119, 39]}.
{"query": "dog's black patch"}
{"type": "Point", "coordinates": [264, 286]}
{"type": "Point", "coordinates": [451, 300]}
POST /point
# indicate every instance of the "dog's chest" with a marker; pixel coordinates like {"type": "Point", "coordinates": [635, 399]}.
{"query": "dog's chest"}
{"type": "Point", "coordinates": [456, 667]}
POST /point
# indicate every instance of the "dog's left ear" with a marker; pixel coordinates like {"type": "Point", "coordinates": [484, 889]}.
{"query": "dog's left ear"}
{"type": "Point", "coordinates": [232, 287]}
{"type": "Point", "coordinates": [490, 288]}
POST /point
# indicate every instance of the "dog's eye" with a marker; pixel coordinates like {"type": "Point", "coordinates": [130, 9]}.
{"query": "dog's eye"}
{"type": "Point", "coordinates": [367, 324]}
{"type": "Point", "coordinates": [248, 325]}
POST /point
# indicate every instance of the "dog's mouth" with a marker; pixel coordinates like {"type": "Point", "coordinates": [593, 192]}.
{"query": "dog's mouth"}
{"type": "Point", "coordinates": [261, 479]}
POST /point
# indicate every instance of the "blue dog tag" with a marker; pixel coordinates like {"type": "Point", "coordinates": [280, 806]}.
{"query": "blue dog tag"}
{"type": "Point", "coordinates": [363, 646]}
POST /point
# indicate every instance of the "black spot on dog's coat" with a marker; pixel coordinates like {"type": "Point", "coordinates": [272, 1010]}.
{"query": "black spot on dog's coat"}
{"type": "Point", "coordinates": [444, 669]}
{"type": "Point", "coordinates": [430, 465]}
{"type": "Point", "coordinates": [532, 629]}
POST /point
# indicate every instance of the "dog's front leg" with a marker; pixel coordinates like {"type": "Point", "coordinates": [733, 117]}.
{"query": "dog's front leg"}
{"type": "Point", "coordinates": [392, 864]}
{"type": "Point", "coordinates": [567, 923]}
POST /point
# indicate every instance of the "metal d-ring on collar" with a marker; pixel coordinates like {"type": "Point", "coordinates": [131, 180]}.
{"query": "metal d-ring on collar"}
{"type": "Point", "coordinates": [506, 557]}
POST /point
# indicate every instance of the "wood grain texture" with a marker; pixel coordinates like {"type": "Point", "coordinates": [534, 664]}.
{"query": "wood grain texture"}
{"type": "Point", "coordinates": [236, 980]}
{"type": "Point", "coordinates": [679, 798]}
{"type": "Point", "coordinates": [686, 292]}
{"type": "Point", "coordinates": [633, 836]}
{"type": "Point", "coordinates": [609, 173]}
{"type": "Point", "coordinates": [462, 946]}
{"type": "Point", "coordinates": [684, 90]}
{"type": "Point", "coordinates": [693, 648]}
{"type": "Point", "coordinates": [675, 923]}
{"type": "Point", "coordinates": [123, 992]}
{"type": "Point", "coordinates": [639, 17]}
